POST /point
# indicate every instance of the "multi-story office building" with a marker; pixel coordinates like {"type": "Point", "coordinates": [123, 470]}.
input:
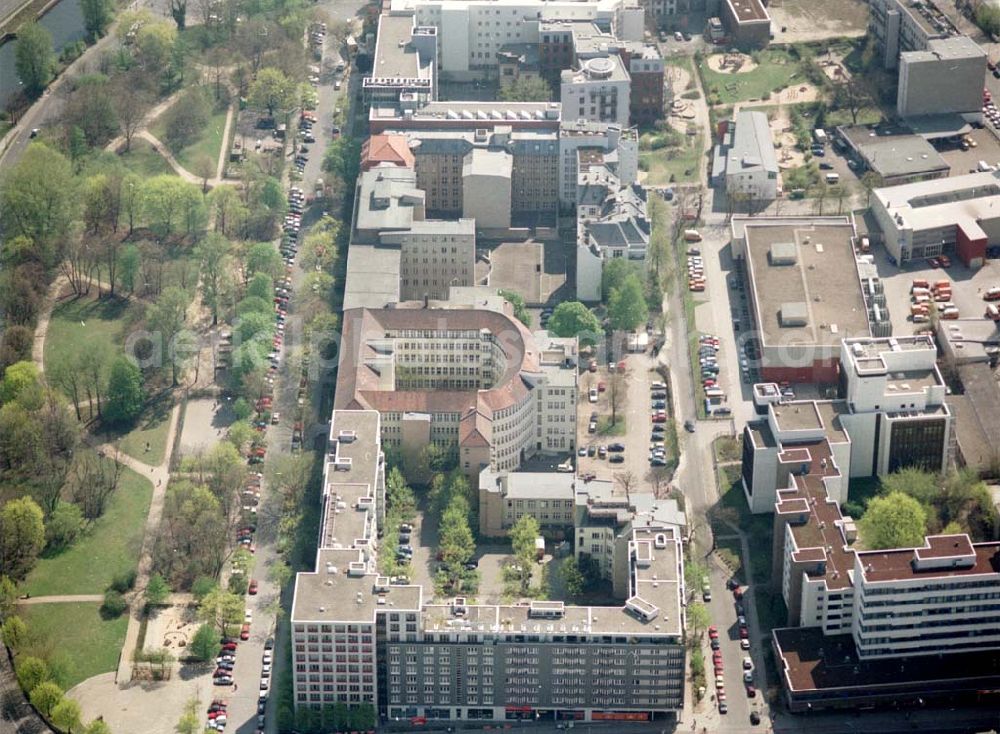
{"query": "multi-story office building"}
{"type": "Point", "coordinates": [946, 77]}
{"type": "Point", "coordinates": [463, 373]}
{"type": "Point", "coordinates": [473, 32]}
{"type": "Point", "coordinates": [404, 67]}
{"type": "Point", "coordinates": [805, 294]}
{"type": "Point", "coordinates": [958, 215]}
{"type": "Point", "coordinates": [747, 23]}
{"type": "Point", "coordinates": [905, 25]}
{"type": "Point", "coordinates": [506, 497]}
{"type": "Point", "coordinates": [619, 148]}
{"type": "Point", "coordinates": [361, 640]}
{"type": "Point", "coordinates": [903, 624]}
{"type": "Point", "coordinates": [892, 415]}
{"type": "Point", "coordinates": [397, 254]}
{"type": "Point", "coordinates": [503, 171]}
{"type": "Point", "coordinates": [599, 91]}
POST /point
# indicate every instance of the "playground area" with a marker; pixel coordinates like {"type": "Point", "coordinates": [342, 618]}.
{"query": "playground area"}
{"type": "Point", "coordinates": [171, 628]}
{"type": "Point", "coordinates": [731, 63]}
{"type": "Point", "coordinates": [788, 155]}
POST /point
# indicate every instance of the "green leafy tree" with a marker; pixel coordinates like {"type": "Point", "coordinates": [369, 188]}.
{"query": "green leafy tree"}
{"type": "Point", "coordinates": [20, 379]}
{"type": "Point", "coordinates": [223, 609]}
{"type": "Point", "coordinates": [45, 696]}
{"type": "Point", "coordinates": [66, 715]}
{"type": "Point", "coordinates": [38, 202]}
{"type": "Point", "coordinates": [527, 89]}
{"type": "Point", "coordinates": [698, 619]}
{"type": "Point", "coordinates": [97, 16]}
{"type": "Point", "coordinates": [572, 318]}
{"type": "Point", "coordinates": [31, 672]}
{"type": "Point", "coordinates": [523, 535]}
{"type": "Point", "coordinates": [456, 541]}
{"type": "Point", "coordinates": [261, 286]}
{"type": "Point", "coordinates": [261, 257]}
{"type": "Point", "coordinates": [343, 159]}
{"type": "Point", "coordinates": [64, 526]}
{"type": "Point", "coordinates": [572, 577]}
{"type": "Point", "coordinates": [14, 633]}
{"type": "Point", "coordinates": [271, 91]}
{"type": "Point", "coordinates": [166, 318]}
{"type": "Point", "coordinates": [34, 58]}
{"type": "Point", "coordinates": [202, 586]}
{"type": "Point", "coordinates": [614, 274]}
{"type": "Point", "coordinates": [205, 643]}
{"type": "Point", "coordinates": [8, 597]}
{"type": "Point", "coordinates": [988, 19]}
{"type": "Point", "coordinates": [895, 520]}
{"type": "Point", "coordinates": [157, 590]}
{"type": "Point", "coordinates": [125, 394]}
{"type": "Point", "coordinates": [22, 536]}
{"type": "Point", "coordinates": [627, 306]}
{"type": "Point", "coordinates": [517, 301]}
{"type": "Point", "coordinates": [172, 206]}
{"type": "Point", "coordinates": [190, 722]}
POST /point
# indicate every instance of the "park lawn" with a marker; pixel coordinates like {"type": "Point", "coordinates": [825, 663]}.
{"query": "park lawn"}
{"type": "Point", "coordinates": [152, 427]}
{"type": "Point", "coordinates": [776, 70]}
{"type": "Point", "coordinates": [111, 546]}
{"type": "Point", "coordinates": [75, 640]}
{"type": "Point", "coordinates": [681, 163]}
{"type": "Point", "coordinates": [80, 321]}
{"type": "Point", "coordinates": [143, 161]}
{"type": "Point", "coordinates": [206, 145]}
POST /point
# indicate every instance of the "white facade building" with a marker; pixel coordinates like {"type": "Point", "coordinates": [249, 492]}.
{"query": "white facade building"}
{"type": "Point", "coordinates": [744, 161]}
{"type": "Point", "coordinates": [598, 91]}
{"type": "Point", "coordinates": [620, 147]}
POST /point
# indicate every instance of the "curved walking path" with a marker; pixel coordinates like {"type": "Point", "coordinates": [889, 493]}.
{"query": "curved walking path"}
{"type": "Point", "coordinates": [44, 316]}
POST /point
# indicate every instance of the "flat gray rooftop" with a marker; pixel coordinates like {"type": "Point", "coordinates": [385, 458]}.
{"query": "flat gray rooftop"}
{"type": "Point", "coordinates": [824, 277]}
{"type": "Point", "coordinates": [893, 152]}
{"type": "Point", "coordinates": [372, 279]}
{"type": "Point", "coordinates": [394, 55]}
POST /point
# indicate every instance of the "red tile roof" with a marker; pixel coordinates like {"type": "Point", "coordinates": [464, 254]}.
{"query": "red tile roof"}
{"type": "Point", "coordinates": [386, 149]}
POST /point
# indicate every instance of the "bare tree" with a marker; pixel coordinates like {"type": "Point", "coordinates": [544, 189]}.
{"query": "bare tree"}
{"type": "Point", "coordinates": [617, 394]}
{"type": "Point", "coordinates": [627, 481]}
{"type": "Point", "coordinates": [93, 479]}
{"type": "Point", "coordinates": [131, 103]}
{"type": "Point", "coordinates": [79, 264]}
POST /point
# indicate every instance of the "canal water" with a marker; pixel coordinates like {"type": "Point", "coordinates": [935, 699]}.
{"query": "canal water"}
{"type": "Point", "coordinates": [64, 21]}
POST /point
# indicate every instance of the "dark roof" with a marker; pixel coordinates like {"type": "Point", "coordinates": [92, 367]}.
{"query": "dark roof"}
{"type": "Point", "coordinates": [811, 661]}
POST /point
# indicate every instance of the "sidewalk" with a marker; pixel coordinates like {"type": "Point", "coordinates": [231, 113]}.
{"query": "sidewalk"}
{"type": "Point", "coordinates": [159, 475]}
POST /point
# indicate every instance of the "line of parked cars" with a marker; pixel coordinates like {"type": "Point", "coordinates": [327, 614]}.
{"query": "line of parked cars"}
{"type": "Point", "coordinates": [708, 360]}
{"type": "Point", "coordinates": [658, 419]}
{"type": "Point", "coordinates": [696, 270]}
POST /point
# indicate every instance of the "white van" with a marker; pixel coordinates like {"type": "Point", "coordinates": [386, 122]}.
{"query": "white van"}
{"type": "Point", "coordinates": [984, 167]}
{"type": "Point", "coordinates": [832, 178]}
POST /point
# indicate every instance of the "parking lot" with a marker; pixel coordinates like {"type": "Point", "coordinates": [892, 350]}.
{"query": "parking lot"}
{"type": "Point", "coordinates": [634, 407]}
{"type": "Point", "coordinates": [966, 161]}
{"type": "Point", "coordinates": [967, 291]}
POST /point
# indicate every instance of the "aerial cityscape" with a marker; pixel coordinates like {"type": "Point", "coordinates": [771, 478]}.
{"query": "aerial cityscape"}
{"type": "Point", "coordinates": [441, 365]}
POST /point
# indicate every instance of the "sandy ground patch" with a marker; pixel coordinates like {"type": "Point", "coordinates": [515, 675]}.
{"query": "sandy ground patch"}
{"type": "Point", "coordinates": [171, 628]}
{"type": "Point", "coordinates": [731, 63]}
{"type": "Point", "coordinates": [679, 79]}
{"type": "Point", "coordinates": [784, 137]}
{"type": "Point", "coordinates": [205, 424]}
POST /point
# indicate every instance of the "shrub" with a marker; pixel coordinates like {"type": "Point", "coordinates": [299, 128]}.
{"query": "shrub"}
{"type": "Point", "coordinates": [114, 605]}
{"type": "Point", "coordinates": [123, 581]}
{"type": "Point", "coordinates": [693, 94]}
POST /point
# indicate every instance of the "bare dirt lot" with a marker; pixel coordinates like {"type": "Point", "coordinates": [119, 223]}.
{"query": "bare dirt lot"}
{"type": "Point", "coordinates": [805, 20]}
{"type": "Point", "coordinates": [205, 423]}
{"type": "Point", "coordinates": [784, 136]}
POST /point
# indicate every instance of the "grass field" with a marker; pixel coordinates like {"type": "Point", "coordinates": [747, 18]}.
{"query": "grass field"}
{"type": "Point", "coordinates": [75, 640]}
{"type": "Point", "coordinates": [83, 321]}
{"type": "Point", "coordinates": [144, 161]}
{"type": "Point", "coordinates": [670, 165]}
{"type": "Point", "coordinates": [776, 70]}
{"type": "Point", "coordinates": [606, 428]}
{"type": "Point", "coordinates": [151, 426]}
{"type": "Point", "coordinates": [205, 147]}
{"type": "Point", "coordinates": [110, 546]}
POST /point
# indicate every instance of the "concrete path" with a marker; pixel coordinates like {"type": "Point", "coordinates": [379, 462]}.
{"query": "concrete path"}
{"type": "Point", "coordinates": [61, 599]}
{"type": "Point", "coordinates": [159, 475]}
{"type": "Point", "coordinates": [42, 329]}
{"type": "Point", "coordinates": [226, 144]}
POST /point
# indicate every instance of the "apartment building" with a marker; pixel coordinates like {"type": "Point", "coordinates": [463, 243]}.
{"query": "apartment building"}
{"type": "Point", "coordinates": [899, 26]}
{"type": "Point", "coordinates": [891, 415]}
{"type": "Point", "coordinates": [646, 96]}
{"type": "Point", "coordinates": [509, 176]}
{"type": "Point", "coordinates": [462, 372]}
{"type": "Point", "coordinates": [612, 222]}
{"type": "Point", "coordinates": [598, 91]}
{"type": "Point", "coordinates": [958, 215]}
{"type": "Point", "coordinates": [618, 146]}
{"type": "Point", "coordinates": [465, 115]}
{"type": "Point", "coordinates": [362, 640]}
{"type": "Point", "coordinates": [435, 255]}
{"type": "Point", "coordinates": [944, 78]}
